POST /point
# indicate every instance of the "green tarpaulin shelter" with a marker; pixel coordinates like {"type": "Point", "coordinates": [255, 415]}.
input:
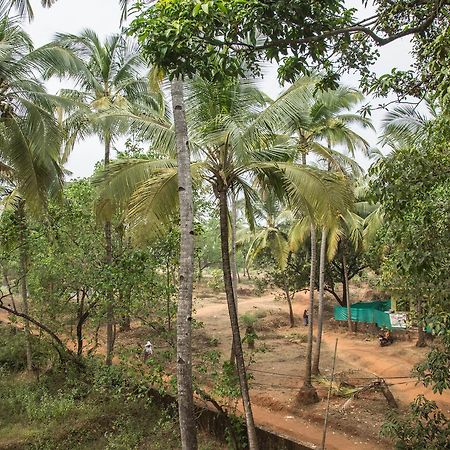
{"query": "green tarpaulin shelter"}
{"type": "Point", "coordinates": [368, 312]}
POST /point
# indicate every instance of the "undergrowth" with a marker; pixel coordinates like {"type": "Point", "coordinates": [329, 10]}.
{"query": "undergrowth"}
{"type": "Point", "coordinates": [97, 407]}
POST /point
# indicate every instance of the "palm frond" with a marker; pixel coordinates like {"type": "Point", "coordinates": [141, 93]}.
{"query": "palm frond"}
{"type": "Point", "coordinates": [117, 182]}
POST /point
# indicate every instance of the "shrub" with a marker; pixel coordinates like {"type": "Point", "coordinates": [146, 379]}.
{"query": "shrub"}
{"type": "Point", "coordinates": [261, 285]}
{"type": "Point", "coordinates": [124, 435]}
{"type": "Point", "coordinates": [216, 280]}
{"type": "Point", "coordinates": [13, 356]}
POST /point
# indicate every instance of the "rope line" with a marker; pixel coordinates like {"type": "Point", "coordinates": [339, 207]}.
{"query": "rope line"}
{"type": "Point", "coordinates": [355, 378]}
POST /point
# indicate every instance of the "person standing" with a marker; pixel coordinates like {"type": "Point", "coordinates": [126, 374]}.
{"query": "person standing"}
{"type": "Point", "coordinates": [305, 318]}
{"type": "Point", "coordinates": [148, 350]}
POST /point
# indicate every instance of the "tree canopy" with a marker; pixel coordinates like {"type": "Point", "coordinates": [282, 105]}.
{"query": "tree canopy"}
{"type": "Point", "coordinates": [217, 38]}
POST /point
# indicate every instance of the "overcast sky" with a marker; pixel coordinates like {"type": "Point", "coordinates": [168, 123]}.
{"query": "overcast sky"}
{"type": "Point", "coordinates": [72, 16]}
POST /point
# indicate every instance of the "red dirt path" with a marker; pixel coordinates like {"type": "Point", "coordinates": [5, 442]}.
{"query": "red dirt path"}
{"type": "Point", "coordinates": [273, 395]}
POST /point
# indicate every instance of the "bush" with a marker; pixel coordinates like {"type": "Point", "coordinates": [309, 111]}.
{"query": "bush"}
{"type": "Point", "coordinates": [216, 280]}
{"type": "Point", "coordinates": [424, 427]}
{"type": "Point", "coordinates": [124, 435]}
{"type": "Point", "coordinates": [249, 319]}
{"type": "Point", "coordinates": [13, 356]}
{"type": "Point", "coordinates": [261, 285]}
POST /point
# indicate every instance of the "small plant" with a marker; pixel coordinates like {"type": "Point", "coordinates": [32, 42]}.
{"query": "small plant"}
{"type": "Point", "coordinates": [216, 280]}
{"type": "Point", "coordinates": [297, 338]}
{"type": "Point", "coordinates": [261, 285]}
{"type": "Point", "coordinates": [124, 436]}
{"type": "Point", "coordinates": [249, 320]}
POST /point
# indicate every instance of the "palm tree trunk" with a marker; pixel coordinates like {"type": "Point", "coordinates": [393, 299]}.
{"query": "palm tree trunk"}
{"type": "Point", "coordinates": [233, 263]}
{"type": "Point", "coordinates": [233, 250]}
{"type": "Point", "coordinates": [184, 312]}
{"type": "Point", "coordinates": [312, 282]}
{"type": "Point", "coordinates": [287, 293]}
{"type": "Point", "coordinates": [23, 278]}
{"type": "Point", "coordinates": [108, 260]}
{"type": "Point", "coordinates": [346, 289]}
{"type": "Point", "coordinates": [307, 393]}
{"type": "Point", "coordinates": [228, 282]}
{"type": "Point", "coordinates": [323, 246]}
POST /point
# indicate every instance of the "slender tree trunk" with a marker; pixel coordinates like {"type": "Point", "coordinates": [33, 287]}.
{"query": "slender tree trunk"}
{"type": "Point", "coordinates": [233, 250]}
{"type": "Point", "coordinates": [80, 324]}
{"type": "Point", "coordinates": [108, 260]}
{"type": "Point", "coordinates": [200, 269]}
{"type": "Point", "coordinates": [23, 269]}
{"type": "Point", "coordinates": [233, 263]}
{"type": "Point", "coordinates": [168, 297]}
{"type": "Point", "coordinates": [82, 317]}
{"type": "Point", "coordinates": [323, 247]}
{"type": "Point", "coordinates": [228, 282]}
{"type": "Point", "coordinates": [421, 342]}
{"type": "Point", "coordinates": [8, 286]}
{"type": "Point", "coordinates": [312, 282]}
{"type": "Point", "coordinates": [307, 393]}
{"type": "Point", "coordinates": [346, 290]}
{"type": "Point", "coordinates": [287, 293]}
{"type": "Point", "coordinates": [184, 313]}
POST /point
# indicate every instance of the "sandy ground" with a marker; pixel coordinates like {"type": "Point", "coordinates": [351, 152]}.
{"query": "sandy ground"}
{"type": "Point", "coordinates": [278, 373]}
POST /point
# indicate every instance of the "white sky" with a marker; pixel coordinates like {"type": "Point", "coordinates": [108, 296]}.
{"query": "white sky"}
{"type": "Point", "coordinates": [72, 16]}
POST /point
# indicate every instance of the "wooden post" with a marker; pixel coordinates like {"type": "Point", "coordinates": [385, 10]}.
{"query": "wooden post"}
{"type": "Point", "coordinates": [325, 423]}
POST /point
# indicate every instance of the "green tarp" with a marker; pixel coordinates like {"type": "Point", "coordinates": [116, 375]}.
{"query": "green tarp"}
{"type": "Point", "coordinates": [367, 312]}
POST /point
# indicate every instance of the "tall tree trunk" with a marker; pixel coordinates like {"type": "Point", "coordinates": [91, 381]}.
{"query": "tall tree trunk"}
{"type": "Point", "coordinates": [184, 312]}
{"type": "Point", "coordinates": [307, 393]}
{"type": "Point", "coordinates": [23, 269]}
{"type": "Point", "coordinates": [233, 263]}
{"type": "Point", "coordinates": [82, 317]}
{"type": "Point", "coordinates": [168, 297]}
{"type": "Point", "coordinates": [323, 248]}
{"type": "Point", "coordinates": [108, 260]}
{"type": "Point", "coordinates": [228, 282]}
{"type": "Point", "coordinates": [421, 342]}
{"type": "Point", "coordinates": [233, 250]}
{"type": "Point", "coordinates": [287, 293]}
{"type": "Point", "coordinates": [346, 289]}
{"type": "Point", "coordinates": [200, 268]}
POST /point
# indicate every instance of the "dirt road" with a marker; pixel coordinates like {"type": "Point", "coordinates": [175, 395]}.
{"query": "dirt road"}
{"type": "Point", "coordinates": [278, 374]}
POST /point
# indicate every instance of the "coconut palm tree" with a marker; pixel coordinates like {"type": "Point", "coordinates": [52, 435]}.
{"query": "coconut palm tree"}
{"type": "Point", "coordinates": [218, 118]}
{"type": "Point", "coordinates": [404, 125]}
{"type": "Point", "coordinates": [317, 122]}
{"type": "Point", "coordinates": [109, 87]}
{"type": "Point", "coordinates": [30, 142]}
{"type": "Point", "coordinates": [273, 236]}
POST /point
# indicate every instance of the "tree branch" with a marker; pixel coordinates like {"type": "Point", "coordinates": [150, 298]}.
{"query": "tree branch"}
{"type": "Point", "coordinates": [38, 324]}
{"type": "Point", "coordinates": [356, 28]}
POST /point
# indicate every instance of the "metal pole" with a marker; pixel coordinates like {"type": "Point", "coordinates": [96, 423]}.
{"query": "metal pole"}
{"type": "Point", "coordinates": [324, 435]}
